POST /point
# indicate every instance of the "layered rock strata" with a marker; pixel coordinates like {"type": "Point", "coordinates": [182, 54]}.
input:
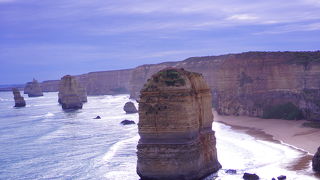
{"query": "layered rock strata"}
{"type": "Point", "coordinates": [253, 82]}
{"type": "Point", "coordinates": [175, 127]}
{"type": "Point", "coordinates": [130, 108]}
{"type": "Point", "coordinates": [18, 99]}
{"type": "Point", "coordinates": [33, 89]}
{"type": "Point", "coordinates": [71, 95]}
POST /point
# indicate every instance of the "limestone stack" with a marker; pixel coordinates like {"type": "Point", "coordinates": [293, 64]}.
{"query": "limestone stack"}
{"type": "Point", "coordinates": [175, 127]}
{"type": "Point", "coordinates": [33, 89]}
{"type": "Point", "coordinates": [71, 96]}
{"type": "Point", "coordinates": [18, 99]}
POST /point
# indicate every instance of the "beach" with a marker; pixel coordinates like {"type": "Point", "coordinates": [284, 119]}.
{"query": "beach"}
{"type": "Point", "coordinates": [289, 132]}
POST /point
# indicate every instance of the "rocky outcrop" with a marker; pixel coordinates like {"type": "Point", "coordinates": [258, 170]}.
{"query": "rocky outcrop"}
{"type": "Point", "coordinates": [250, 83]}
{"type": "Point", "coordinates": [70, 93]}
{"type": "Point", "coordinates": [33, 89]}
{"type": "Point", "coordinates": [127, 122]}
{"type": "Point", "coordinates": [316, 161]}
{"type": "Point", "coordinates": [18, 99]}
{"type": "Point", "coordinates": [175, 119]}
{"type": "Point", "coordinates": [130, 108]}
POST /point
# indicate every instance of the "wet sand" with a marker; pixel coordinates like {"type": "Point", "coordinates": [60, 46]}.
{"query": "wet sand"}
{"type": "Point", "coordinates": [289, 132]}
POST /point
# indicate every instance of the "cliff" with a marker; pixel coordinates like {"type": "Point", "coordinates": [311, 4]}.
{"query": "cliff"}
{"type": "Point", "coordinates": [253, 82]}
{"type": "Point", "coordinates": [98, 83]}
{"type": "Point", "coordinates": [175, 127]}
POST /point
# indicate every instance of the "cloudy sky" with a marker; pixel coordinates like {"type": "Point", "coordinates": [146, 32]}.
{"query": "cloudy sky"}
{"type": "Point", "coordinates": [47, 39]}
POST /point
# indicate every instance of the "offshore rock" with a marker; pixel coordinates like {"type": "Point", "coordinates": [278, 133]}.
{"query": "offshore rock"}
{"type": "Point", "coordinates": [127, 122]}
{"type": "Point", "coordinates": [248, 176]}
{"type": "Point", "coordinates": [175, 127]}
{"type": "Point", "coordinates": [18, 99]}
{"type": "Point", "coordinates": [130, 108]}
{"type": "Point", "coordinates": [316, 161]}
{"type": "Point", "coordinates": [70, 93]}
{"type": "Point", "coordinates": [33, 89]}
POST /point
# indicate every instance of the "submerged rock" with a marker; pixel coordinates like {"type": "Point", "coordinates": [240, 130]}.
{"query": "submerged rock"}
{"type": "Point", "coordinates": [70, 96]}
{"type": "Point", "coordinates": [231, 171]}
{"type": "Point", "coordinates": [282, 177]}
{"type": "Point", "coordinates": [33, 89]}
{"type": "Point", "coordinates": [127, 122]}
{"type": "Point", "coordinates": [316, 161]}
{"type": "Point", "coordinates": [130, 108]}
{"type": "Point", "coordinates": [248, 176]}
{"type": "Point", "coordinates": [175, 127]}
{"type": "Point", "coordinates": [18, 99]}
{"type": "Point", "coordinates": [98, 117]}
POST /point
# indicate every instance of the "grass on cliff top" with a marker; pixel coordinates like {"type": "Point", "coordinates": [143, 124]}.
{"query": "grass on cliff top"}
{"type": "Point", "coordinates": [305, 58]}
{"type": "Point", "coordinates": [312, 124]}
{"type": "Point", "coordinates": [171, 77]}
{"type": "Point", "coordinates": [286, 111]}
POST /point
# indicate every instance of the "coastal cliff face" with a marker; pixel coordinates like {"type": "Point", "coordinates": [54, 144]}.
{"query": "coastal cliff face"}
{"type": "Point", "coordinates": [50, 86]}
{"type": "Point", "coordinates": [33, 89]}
{"type": "Point", "coordinates": [249, 83]}
{"type": "Point", "coordinates": [71, 95]}
{"type": "Point", "coordinates": [175, 127]}
{"type": "Point", "coordinates": [97, 83]}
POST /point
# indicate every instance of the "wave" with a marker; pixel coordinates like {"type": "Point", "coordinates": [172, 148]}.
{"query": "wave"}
{"type": "Point", "coordinates": [117, 146]}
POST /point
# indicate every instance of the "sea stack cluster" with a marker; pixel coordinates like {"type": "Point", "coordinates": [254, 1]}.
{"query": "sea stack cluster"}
{"type": "Point", "coordinates": [18, 99]}
{"type": "Point", "coordinates": [175, 127]}
{"type": "Point", "coordinates": [71, 94]}
{"type": "Point", "coordinates": [33, 89]}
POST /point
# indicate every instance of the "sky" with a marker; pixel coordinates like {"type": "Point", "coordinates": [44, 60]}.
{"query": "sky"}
{"type": "Point", "coordinates": [46, 39]}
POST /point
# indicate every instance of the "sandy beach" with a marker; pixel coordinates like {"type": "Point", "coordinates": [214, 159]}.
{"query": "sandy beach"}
{"type": "Point", "coordinates": [287, 131]}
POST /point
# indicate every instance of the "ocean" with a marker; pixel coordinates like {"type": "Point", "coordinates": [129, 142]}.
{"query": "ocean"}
{"type": "Point", "coordinates": [41, 141]}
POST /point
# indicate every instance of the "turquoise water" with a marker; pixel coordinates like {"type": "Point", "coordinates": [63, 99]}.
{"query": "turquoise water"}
{"type": "Point", "coordinates": [41, 141]}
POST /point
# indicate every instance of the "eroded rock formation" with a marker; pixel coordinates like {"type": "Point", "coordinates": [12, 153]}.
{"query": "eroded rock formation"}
{"type": "Point", "coordinates": [130, 108]}
{"type": "Point", "coordinates": [71, 95]}
{"type": "Point", "coordinates": [253, 82]}
{"type": "Point", "coordinates": [33, 89]}
{"type": "Point", "coordinates": [316, 161]}
{"type": "Point", "coordinates": [175, 127]}
{"type": "Point", "coordinates": [18, 99]}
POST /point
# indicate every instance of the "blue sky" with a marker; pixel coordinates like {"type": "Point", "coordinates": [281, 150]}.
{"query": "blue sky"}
{"type": "Point", "coordinates": [47, 39]}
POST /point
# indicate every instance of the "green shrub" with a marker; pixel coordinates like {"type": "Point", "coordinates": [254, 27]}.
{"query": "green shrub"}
{"type": "Point", "coordinates": [171, 77]}
{"type": "Point", "coordinates": [282, 111]}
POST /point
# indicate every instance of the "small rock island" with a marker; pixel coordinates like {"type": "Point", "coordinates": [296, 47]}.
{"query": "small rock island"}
{"type": "Point", "coordinates": [71, 94]}
{"type": "Point", "coordinates": [18, 99]}
{"type": "Point", "coordinates": [175, 127]}
{"type": "Point", "coordinates": [33, 89]}
{"type": "Point", "coordinates": [129, 108]}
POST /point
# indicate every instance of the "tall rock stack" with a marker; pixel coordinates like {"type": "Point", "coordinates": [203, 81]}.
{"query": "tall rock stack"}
{"type": "Point", "coordinates": [175, 127]}
{"type": "Point", "coordinates": [18, 99]}
{"type": "Point", "coordinates": [71, 96]}
{"type": "Point", "coordinates": [33, 89]}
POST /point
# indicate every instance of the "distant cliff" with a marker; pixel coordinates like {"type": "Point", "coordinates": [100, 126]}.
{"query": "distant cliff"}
{"type": "Point", "coordinates": [97, 83]}
{"type": "Point", "coordinates": [253, 82]}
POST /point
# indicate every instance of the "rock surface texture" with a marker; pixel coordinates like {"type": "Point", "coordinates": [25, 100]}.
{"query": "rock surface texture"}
{"type": "Point", "coordinates": [175, 119]}
{"type": "Point", "coordinates": [33, 89]}
{"type": "Point", "coordinates": [253, 82]}
{"type": "Point", "coordinates": [71, 95]}
{"type": "Point", "coordinates": [316, 161]}
{"type": "Point", "coordinates": [18, 99]}
{"type": "Point", "coordinates": [130, 108]}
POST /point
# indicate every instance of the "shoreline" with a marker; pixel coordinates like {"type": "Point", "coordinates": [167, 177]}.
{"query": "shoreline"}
{"type": "Point", "coordinates": [287, 132]}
